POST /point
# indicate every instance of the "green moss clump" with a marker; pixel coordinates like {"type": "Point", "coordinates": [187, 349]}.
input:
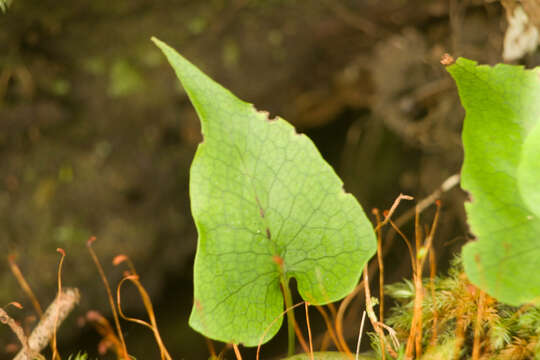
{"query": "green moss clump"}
{"type": "Point", "coordinates": [450, 311]}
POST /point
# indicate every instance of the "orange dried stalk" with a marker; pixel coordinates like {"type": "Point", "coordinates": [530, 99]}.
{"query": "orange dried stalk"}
{"type": "Point", "coordinates": [89, 243]}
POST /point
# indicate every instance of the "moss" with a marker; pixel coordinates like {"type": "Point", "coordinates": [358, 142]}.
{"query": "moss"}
{"type": "Point", "coordinates": [450, 312]}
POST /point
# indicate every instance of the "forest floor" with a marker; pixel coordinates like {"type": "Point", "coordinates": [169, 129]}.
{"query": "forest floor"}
{"type": "Point", "coordinates": [96, 136]}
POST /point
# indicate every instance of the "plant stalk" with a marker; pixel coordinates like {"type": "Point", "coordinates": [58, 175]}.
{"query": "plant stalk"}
{"type": "Point", "coordinates": [290, 315]}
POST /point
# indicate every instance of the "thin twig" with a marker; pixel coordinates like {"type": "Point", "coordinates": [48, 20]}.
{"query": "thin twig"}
{"type": "Point", "coordinates": [55, 354]}
{"type": "Point", "coordinates": [109, 295]}
{"type": "Point", "coordinates": [300, 337]}
{"type": "Point", "coordinates": [330, 329]}
{"type": "Point", "coordinates": [460, 333]}
{"type": "Point", "coordinates": [109, 338]}
{"type": "Point", "coordinates": [419, 293]}
{"type": "Point", "coordinates": [360, 332]}
{"type": "Point", "coordinates": [271, 324]}
{"type": "Point", "coordinates": [380, 262]}
{"type": "Point", "coordinates": [237, 352]}
{"type": "Point", "coordinates": [211, 348]}
{"type": "Point", "coordinates": [447, 185]}
{"type": "Point", "coordinates": [429, 240]}
{"type": "Point", "coordinates": [325, 341]}
{"type": "Point", "coordinates": [333, 310]}
{"type": "Point", "coordinates": [123, 258]}
{"type": "Point", "coordinates": [432, 273]}
{"type": "Point", "coordinates": [421, 252]}
{"type": "Point", "coordinates": [339, 318]}
{"type": "Point", "coordinates": [371, 314]}
{"type": "Point", "coordinates": [392, 209]}
{"type": "Point", "coordinates": [52, 318]}
{"type": "Point", "coordinates": [147, 302]}
{"type": "Point", "coordinates": [407, 242]}
{"type": "Point", "coordinates": [417, 306]}
{"type": "Point", "coordinates": [24, 285]}
{"type": "Point", "coordinates": [306, 305]}
{"type": "Point", "coordinates": [225, 348]}
{"type": "Point", "coordinates": [478, 325]}
{"type": "Point", "coordinates": [373, 319]}
{"type": "Point", "coordinates": [18, 331]}
{"type": "Point", "coordinates": [343, 307]}
{"type": "Point", "coordinates": [423, 204]}
{"type": "Point", "coordinates": [149, 310]}
{"type": "Point", "coordinates": [393, 335]}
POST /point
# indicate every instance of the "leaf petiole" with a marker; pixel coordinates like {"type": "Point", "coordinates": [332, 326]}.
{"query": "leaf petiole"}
{"type": "Point", "coordinates": [290, 314]}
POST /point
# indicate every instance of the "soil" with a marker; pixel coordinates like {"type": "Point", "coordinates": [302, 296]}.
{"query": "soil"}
{"type": "Point", "coordinates": [96, 136]}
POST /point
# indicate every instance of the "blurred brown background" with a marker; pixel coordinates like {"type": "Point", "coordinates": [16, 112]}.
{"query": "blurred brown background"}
{"type": "Point", "coordinates": [96, 135]}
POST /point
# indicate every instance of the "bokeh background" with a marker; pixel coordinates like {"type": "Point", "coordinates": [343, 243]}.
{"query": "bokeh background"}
{"type": "Point", "coordinates": [97, 136]}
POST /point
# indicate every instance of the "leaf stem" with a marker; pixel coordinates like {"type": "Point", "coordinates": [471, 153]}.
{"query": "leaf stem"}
{"type": "Point", "coordinates": [290, 314]}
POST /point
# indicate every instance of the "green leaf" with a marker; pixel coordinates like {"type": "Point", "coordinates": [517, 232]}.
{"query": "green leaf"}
{"type": "Point", "coordinates": [267, 207]}
{"type": "Point", "coordinates": [529, 170]}
{"type": "Point", "coordinates": [501, 171]}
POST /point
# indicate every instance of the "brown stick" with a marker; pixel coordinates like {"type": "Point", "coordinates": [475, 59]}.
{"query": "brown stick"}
{"type": "Point", "coordinates": [414, 340]}
{"type": "Point", "coordinates": [408, 243]}
{"type": "Point", "coordinates": [381, 266]}
{"type": "Point", "coordinates": [460, 333]}
{"type": "Point", "coordinates": [306, 305]}
{"type": "Point", "coordinates": [24, 284]}
{"type": "Point", "coordinates": [447, 185]}
{"type": "Point", "coordinates": [330, 330]}
{"type": "Point", "coordinates": [373, 319]}
{"type": "Point", "coordinates": [19, 332]}
{"type": "Point", "coordinates": [360, 332]}
{"type": "Point", "coordinates": [109, 295]}
{"type": "Point", "coordinates": [108, 336]}
{"type": "Point", "coordinates": [211, 348]}
{"type": "Point", "coordinates": [300, 337]}
{"type": "Point", "coordinates": [419, 298]}
{"type": "Point", "coordinates": [55, 354]}
{"type": "Point", "coordinates": [237, 352]}
{"type": "Point", "coordinates": [52, 318]}
{"type": "Point", "coordinates": [333, 310]}
{"type": "Point", "coordinates": [149, 310]}
{"type": "Point", "coordinates": [393, 208]}
{"type": "Point", "coordinates": [478, 325]}
{"type": "Point", "coordinates": [270, 326]}
{"type": "Point", "coordinates": [432, 273]}
{"type": "Point", "coordinates": [428, 242]}
{"type": "Point", "coordinates": [339, 318]}
{"type": "Point", "coordinates": [343, 307]}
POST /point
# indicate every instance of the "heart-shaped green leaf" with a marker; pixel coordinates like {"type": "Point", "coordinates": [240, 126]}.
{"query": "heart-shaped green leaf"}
{"type": "Point", "coordinates": [267, 208]}
{"type": "Point", "coordinates": [501, 171]}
